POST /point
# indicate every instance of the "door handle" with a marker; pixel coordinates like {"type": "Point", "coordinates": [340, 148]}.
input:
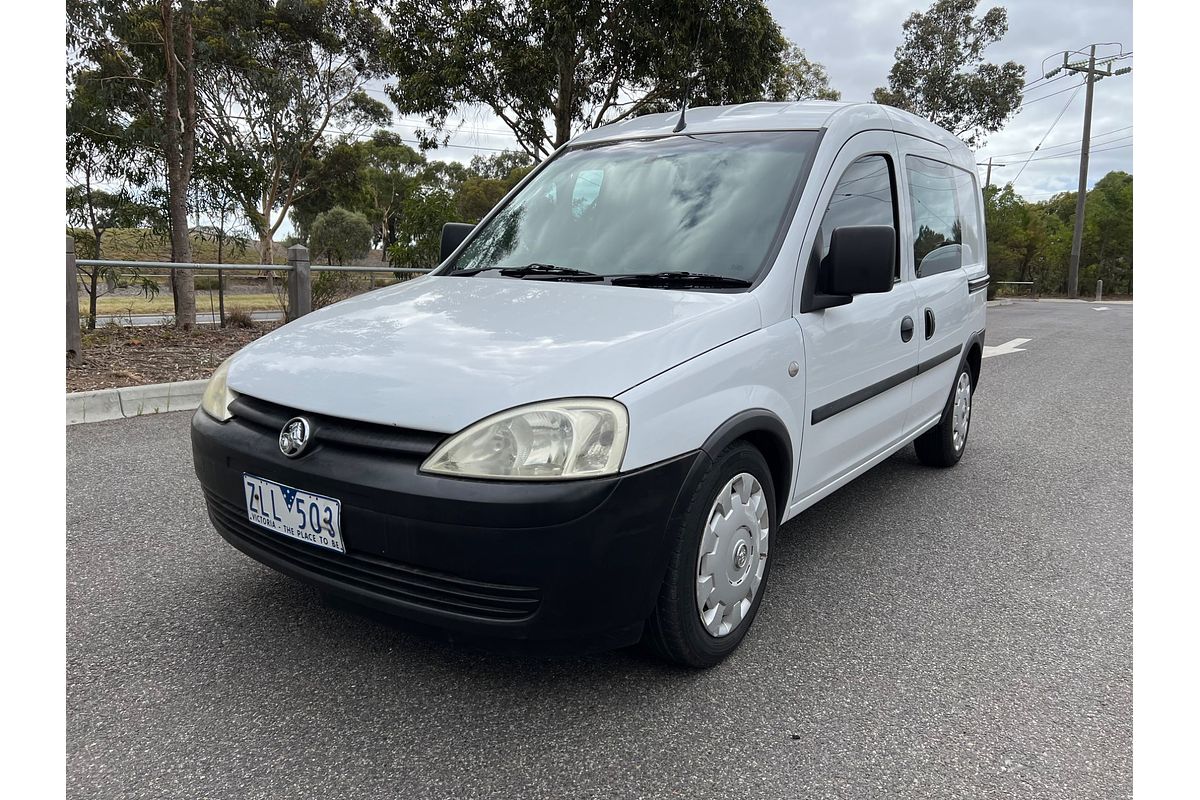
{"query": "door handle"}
{"type": "Point", "coordinates": [906, 329]}
{"type": "Point", "coordinates": [930, 323]}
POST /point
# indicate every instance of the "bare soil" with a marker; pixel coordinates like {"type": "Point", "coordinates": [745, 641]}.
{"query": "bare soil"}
{"type": "Point", "coordinates": [116, 356]}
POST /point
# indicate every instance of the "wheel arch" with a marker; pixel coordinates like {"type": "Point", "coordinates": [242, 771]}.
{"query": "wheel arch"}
{"type": "Point", "coordinates": [767, 432]}
{"type": "Point", "coordinates": [973, 357]}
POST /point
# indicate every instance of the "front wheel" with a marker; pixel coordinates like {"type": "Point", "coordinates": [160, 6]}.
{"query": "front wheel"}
{"type": "Point", "coordinates": [719, 562]}
{"type": "Point", "coordinates": [943, 445]}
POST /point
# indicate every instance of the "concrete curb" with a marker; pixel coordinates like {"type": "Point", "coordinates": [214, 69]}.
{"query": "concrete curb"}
{"type": "Point", "coordinates": [1090, 301]}
{"type": "Point", "coordinates": [133, 401]}
{"type": "Point", "coordinates": [1086, 300]}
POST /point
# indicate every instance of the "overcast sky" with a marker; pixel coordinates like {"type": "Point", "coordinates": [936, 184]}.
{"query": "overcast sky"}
{"type": "Point", "coordinates": [856, 41]}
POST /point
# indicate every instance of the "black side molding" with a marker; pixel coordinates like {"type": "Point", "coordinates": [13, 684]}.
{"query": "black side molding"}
{"type": "Point", "coordinates": [822, 413]}
{"type": "Point", "coordinates": [930, 363]}
{"type": "Point", "coordinates": [978, 284]}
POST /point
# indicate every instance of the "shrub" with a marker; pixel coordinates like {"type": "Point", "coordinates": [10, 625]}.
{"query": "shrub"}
{"type": "Point", "coordinates": [239, 318]}
{"type": "Point", "coordinates": [339, 236]}
{"type": "Point", "coordinates": [207, 283]}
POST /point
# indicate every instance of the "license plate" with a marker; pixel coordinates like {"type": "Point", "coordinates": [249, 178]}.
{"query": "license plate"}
{"type": "Point", "coordinates": [309, 517]}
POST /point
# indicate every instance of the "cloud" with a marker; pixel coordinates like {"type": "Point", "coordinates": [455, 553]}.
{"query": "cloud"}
{"type": "Point", "coordinates": [857, 42]}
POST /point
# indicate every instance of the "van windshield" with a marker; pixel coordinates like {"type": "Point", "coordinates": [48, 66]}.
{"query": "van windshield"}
{"type": "Point", "coordinates": [696, 203]}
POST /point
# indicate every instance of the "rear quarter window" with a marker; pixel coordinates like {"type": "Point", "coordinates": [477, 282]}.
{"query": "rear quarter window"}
{"type": "Point", "coordinates": [946, 222]}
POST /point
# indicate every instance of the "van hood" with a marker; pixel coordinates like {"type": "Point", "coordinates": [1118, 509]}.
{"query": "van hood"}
{"type": "Point", "coordinates": [439, 353]}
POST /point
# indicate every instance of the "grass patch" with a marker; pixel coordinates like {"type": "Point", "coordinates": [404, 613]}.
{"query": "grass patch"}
{"type": "Point", "coordinates": [136, 244]}
{"type": "Point", "coordinates": [164, 304]}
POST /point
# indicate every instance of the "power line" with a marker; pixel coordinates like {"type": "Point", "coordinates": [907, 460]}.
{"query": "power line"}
{"type": "Point", "coordinates": [421, 122]}
{"type": "Point", "coordinates": [367, 136]}
{"type": "Point", "coordinates": [1052, 94]}
{"type": "Point", "coordinates": [1044, 82]}
{"type": "Point", "coordinates": [1074, 155]}
{"type": "Point", "coordinates": [1047, 134]}
{"type": "Point", "coordinates": [1064, 144]}
{"type": "Point", "coordinates": [1053, 75]}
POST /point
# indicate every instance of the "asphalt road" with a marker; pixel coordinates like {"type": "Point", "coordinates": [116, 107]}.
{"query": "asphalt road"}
{"type": "Point", "coordinates": [962, 633]}
{"type": "Point", "coordinates": [202, 318]}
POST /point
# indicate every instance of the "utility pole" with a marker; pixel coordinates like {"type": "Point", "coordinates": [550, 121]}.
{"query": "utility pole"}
{"type": "Point", "coordinates": [988, 182]}
{"type": "Point", "coordinates": [1093, 75]}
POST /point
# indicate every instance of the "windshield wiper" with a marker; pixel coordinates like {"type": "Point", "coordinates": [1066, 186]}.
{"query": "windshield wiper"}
{"type": "Point", "coordinates": [536, 270]}
{"type": "Point", "coordinates": [679, 279]}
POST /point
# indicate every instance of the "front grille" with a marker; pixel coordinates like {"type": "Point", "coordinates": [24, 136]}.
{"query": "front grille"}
{"type": "Point", "coordinates": [431, 590]}
{"type": "Point", "coordinates": [337, 432]}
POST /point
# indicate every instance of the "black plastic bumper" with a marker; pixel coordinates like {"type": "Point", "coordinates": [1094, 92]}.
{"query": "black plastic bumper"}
{"type": "Point", "coordinates": [576, 563]}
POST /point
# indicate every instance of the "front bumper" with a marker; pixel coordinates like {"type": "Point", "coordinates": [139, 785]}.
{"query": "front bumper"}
{"type": "Point", "coordinates": [573, 562]}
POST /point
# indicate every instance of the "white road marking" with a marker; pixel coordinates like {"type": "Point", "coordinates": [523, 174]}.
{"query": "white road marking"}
{"type": "Point", "coordinates": [1011, 346]}
{"type": "Point", "coordinates": [1100, 308]}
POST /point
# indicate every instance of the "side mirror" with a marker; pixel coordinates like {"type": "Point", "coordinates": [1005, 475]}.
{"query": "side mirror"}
{"type": "Point", "coordinates": [453, 234]}
{"type": "Point", "coordinates": [861, 260]}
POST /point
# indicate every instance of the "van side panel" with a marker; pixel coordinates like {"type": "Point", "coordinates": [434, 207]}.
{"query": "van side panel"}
{"type": "Point", "coordinates": [677, 411]}
{"type": "Point", "coordinates": [938, 191]}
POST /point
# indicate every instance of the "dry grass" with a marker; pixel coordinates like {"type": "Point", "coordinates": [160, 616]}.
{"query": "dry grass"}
{"type": "Point", "coordinates": [163, 303]}
{"type": "Point", "coordinates": [135, 244]}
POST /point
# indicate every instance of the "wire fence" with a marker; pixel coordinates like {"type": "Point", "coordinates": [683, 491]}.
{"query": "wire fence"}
{"type": "Point", "coordinates": [102, 291]}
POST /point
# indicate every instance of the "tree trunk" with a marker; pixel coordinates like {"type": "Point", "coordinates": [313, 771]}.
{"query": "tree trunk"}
{"type": "Point", "coordinates": [266, 258]}
{"type": "Point", "coordinates": [563, 108]}
{"type": "Point", "coordinates": [184, 281]}
{"type": "Point", "coordinates": [566, 98]}
{"type": "Point", "coordinates": [179, 140]}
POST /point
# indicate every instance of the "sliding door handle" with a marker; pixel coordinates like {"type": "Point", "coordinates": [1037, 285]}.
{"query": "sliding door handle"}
{"type": "Point", "coordinates": [930, 323]}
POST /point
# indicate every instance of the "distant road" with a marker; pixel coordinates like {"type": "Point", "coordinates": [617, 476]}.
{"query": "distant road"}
{"type": "Point", "coordinates": [138, 320]}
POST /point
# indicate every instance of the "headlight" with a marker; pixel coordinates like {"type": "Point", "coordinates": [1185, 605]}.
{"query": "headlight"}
{"type": "Point", "coordinates": [544, 441]}
{"type": "Point", "coordinates": [218, 396]}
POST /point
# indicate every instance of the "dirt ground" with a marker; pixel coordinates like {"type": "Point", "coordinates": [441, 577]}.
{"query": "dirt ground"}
{"type": "Point", "coordinates": [128, 356]}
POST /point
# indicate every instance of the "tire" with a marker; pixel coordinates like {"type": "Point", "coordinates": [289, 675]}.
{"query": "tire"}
{"type": "Point", "coordinates": [942, 445]}
{"type": "Point", "coordinates": [739, 479]}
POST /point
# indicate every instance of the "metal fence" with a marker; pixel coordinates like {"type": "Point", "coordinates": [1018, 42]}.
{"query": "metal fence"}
{"type": "Point", "coordinates": [1032, 286]}
{"type": "Point", "coordinates": [298, 269]}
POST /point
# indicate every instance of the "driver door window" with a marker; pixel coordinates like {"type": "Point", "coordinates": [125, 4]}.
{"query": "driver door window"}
{"type": "Point", "coordinates": [864, 196]}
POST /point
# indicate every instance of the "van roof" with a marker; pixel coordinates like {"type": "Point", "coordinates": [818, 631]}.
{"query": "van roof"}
{"type": "Point", "coordinates": [844, 118]}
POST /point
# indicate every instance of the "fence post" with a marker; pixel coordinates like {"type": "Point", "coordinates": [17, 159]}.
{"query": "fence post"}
{"type": "Point", "coordinates": [1099, 290]}
{"type": "Point", "coordinates": [74, 338]}
{"type": "Point", "coordinates": [299, 282]}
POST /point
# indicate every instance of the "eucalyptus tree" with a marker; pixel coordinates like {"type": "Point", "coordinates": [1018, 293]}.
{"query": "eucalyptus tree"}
{"type": "Point", "coordinates": [132, 70]}
{"type": "Point", "coordinates": [371, 176]}
{"type": "Point", "coordinates": [551, 68]}
{"type": "Point", "coordinates": [279, 80]}
{"type": "Point", "coordinates": [940, 72]}
{"type": "Point", "coordinates": [800, 78]}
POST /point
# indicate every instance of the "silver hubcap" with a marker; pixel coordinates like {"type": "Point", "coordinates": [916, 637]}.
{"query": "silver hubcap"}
{"type": "Point", "coordinates": [962, 410]}
{"type": "Point", "coordinates": [733, 555]}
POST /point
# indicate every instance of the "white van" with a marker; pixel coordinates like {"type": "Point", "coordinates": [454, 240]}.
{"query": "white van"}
{"type": "Point", "coordinates": [587, 426]}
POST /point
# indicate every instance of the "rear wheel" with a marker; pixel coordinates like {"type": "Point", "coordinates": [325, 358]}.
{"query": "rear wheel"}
{"type": "Point", "coordinates": [719, 561]}
{"type": "Point", "coordinates": [943, 445]}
